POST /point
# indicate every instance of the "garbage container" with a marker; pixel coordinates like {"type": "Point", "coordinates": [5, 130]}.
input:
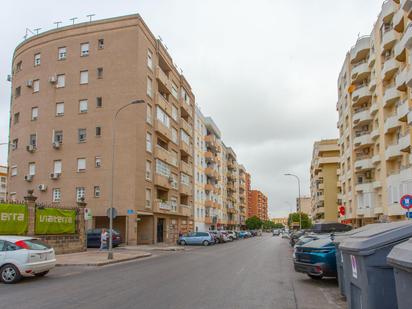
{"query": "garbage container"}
{"type": "Point", "coordinates": [369, 280]}
{"type": "Point", "coordinates": [339, 257]}
{"type": "Point", "coordinates": [400, 259]}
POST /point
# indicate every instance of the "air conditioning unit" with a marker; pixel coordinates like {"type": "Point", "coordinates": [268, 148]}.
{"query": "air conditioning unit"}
{"type": "Point", "coordinates": [54, 176]}
{"type": "Point", "coordinates": [53, 79]}
{"type": "Point", "coordinates": [42, 187]}
{"type": "Point", "coordinates": [28, 178]}
{"type": "Point", "coordinates": [29, 83]}
{"type": "Point", "coordinates": [13, 146]}
{"type": "Point", "coordinates": [171, 179]}
{"type": "Point", "coordinates": [31, 148]}
{"type": "Point", "coordinates": [56, 145]}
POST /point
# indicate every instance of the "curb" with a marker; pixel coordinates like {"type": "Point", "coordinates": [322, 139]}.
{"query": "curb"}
{"type": "Point", "coordinates": [106, 262]}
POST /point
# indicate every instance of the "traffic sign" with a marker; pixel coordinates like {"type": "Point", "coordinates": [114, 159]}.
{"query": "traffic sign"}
{"type": "Point", "coordinates": [130, 212]}
{"type": "Point", "coordinates": [111, 212]}
{"type": "Point", "coordinates": [408, 215]}
{"type": "Point", "coordinates": [406, 201]}
{"type": "Point", "coordinates": [88, 214]}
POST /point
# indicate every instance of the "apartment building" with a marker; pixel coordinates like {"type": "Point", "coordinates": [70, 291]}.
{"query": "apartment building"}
{"type": "Point", "coordinates": [304, 204]}
{"type": "Point", "coordinates": [243, 196]}
{"type": "Point", "coordinates": [374, 100]}
{"type": "Point", "coordinates": [324, 186]}
{"type": "Point", "coordinates": [232, 189]}
{"type": "Point", "coordinates": [258, 205]}
{"type": "Point", "coordinates": [3, 183]}
{"type": "Point", "coordinates": [70, 88]}
{"type": "Point", "coordinates": [283, 221]}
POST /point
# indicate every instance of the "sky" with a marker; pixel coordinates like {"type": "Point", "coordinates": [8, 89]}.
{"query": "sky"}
{"type": "Point", "coordinates": [264, 70]}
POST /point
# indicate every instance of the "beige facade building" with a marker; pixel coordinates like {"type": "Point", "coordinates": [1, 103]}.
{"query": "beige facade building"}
{"type": "Point", "coordinates": [374, 100]}
{"type": "Point", "coordinates": [68, 84]}
{"type": "Point", "coordinates": [324, 184]}
{"type": "Point", "coordinates": [304, 204]}
{"type": "Point", "coordinates": [3, 182]}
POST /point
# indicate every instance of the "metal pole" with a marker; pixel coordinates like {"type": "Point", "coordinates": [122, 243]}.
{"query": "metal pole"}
{"type": "Point", "coordinates": [110, 253]}
{"type": "Point", "coordinates": [300, 210]}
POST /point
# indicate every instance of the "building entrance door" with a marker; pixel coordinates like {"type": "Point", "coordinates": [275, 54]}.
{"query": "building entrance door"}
{"type": "Point", "coordinates": [160, 229]}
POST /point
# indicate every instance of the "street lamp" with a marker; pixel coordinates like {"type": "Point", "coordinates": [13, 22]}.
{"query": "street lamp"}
{"type": "Point", "coordinates": [110, 253]}
{"type": "Point", "coordinates": [300, 210]}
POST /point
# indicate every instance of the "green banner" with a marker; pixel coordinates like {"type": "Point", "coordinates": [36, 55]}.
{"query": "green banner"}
{"type": "Point", "coordinates": [55, 221]}
{"type": "Point", "coordinates": [14, 219]}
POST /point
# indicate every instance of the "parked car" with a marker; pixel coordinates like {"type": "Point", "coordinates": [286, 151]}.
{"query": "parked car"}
{"type": "Point", "coordinates": [24, 257]}
{"type": "Point", "coordinates": [276, 232]}
{"type": "Point", "coordinates": [306, 238]}
{"type": "Point", "coordinates": [93, 238]}
{"type": "Point", "coordinates": [226, 237]}
{"type": "Point", "coordinates": [295, 236]}
{"type": "Point", "coordinates": [197, 238]}
{"type": "Point", "coordinates": [316, 258]}
{"type": "Point", "coordinates": [243, 234]}
{"type": "Point", "coordinates": [285, 235]}
{"type": "Point", "coordinates": [232, 235]}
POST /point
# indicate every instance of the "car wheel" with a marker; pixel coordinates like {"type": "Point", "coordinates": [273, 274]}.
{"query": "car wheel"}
{"type": "Point", "coordinates": [205, 243]}
{"type": "Point", "coordinates": [231, 238]}
{"type": "Point", "coordinates": [182, 243]}
{"type": "Point", "coordinates": [315, 277]}
{"type": "Point", "coordinates": [42, 274]}
{"type": "Point", "coordinates": [10, 274]}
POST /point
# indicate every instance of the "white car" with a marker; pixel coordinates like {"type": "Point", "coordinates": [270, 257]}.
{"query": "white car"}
{"type": "Point", "coordinates": [24, 257]}
{"type": "Point", "coordinates": [232, 234]}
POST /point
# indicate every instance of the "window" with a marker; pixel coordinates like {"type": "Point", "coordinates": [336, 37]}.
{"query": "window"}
{"type": "Point", "coordinates": [174, 157]}
{"type": "Point", "coordinates": [100, 44]}
{"type": "Point", "coordinates": [82, 135]}
{"type": "Point", "coordinates": [17, 92]}
{"type": "Point", "coordinates": [60, 109]}
{"type": "Point", "coordinates": [62, 53]}
{"type": "Point", "coordinates": [37, 59]}
{"type": "Point", "coordinates": [80, 194]}
{"type": "Point", "coordinates": [184, 137]}
{"type": "Point", "coordinates": [173, 204]}
{"type": "Point", "coordinates": [99, 102]}
{"type": "Point", "coordinates": [32, 168]}
{"type": "Point", "coordinates": [15, 144]}
{"type": "Point", "coordinates": [148, 198]}
{"type": "Point", "coordinates": [149, 59]}
{"type": "Point", "coordinates": [84, 49]}
{"type": "Point", "coordinates": [36, 85]}
{"type": "Point", "coordinates": [185, 96]}
{"type": "Point", "coordinates": [174, 135]}
{"type": "Point", "coordinates": [162, 168]}
{"type": "Point", "coordinates": [58, 136]}
{"type": "Point", "coordinates": [33, 140]}
{"type": "Point", "coordinates": [19, 66]}
{"type": "Point", "coordinates": [61, 81]}
{"type": "Point", "coordinates": [16, 118]}
{"type": "Point", "coordinates": [57, 167]}
{"type": "Point", "coordinates": [149, 142]}
{"type": "Point", "coordinates": [14, 170]}
{"type": "Point", "coordinates": [148, 170]}
{"type": "Point", "coordinates": [96, 191]}
{"type": "Point", "coordinates": [83, 106]}
{"type": "Point", "coordinates": [56, 195]}
{"type": "Point", "coordinates": [174, 182]}
{"type": "Point", "coordinates": [84, 77]}
{"type": "Point", "coordinates": [162, 116]}
{"type": "Point", "coordinates": [97, 162]}
{"type": "Point", "coordinates": [98, 131]}
{"type": "Point", "coordinates": [184, 179]}
{"type": "Point", "coordinates": [99, 73]}
{"type": "Point", "coordinates": [81, 165]}
{"type": "Point", "coordinates": [174, 90]}
{"type": "Point", "coordinates": [149, 114]}
{"type": "Point", "coordinates": [149, 90]}
{"type": "Point", "coordinates": [34, 113]}
{"type": "Point", "coordinates": [175, 113]}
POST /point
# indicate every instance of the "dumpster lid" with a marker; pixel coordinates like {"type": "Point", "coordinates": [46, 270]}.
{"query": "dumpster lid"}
{"type": "Point", "coordinates": [342, 236]}
{"type": "Point", "coordinates": [401, 255]}
{"type": "Point", "coordinates": [377, 236]}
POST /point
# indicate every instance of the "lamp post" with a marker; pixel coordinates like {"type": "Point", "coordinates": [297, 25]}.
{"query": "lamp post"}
{"type": "Point", "coordinates": [300, 210]}
{"type": "Point", "coordinates": [110, 253]}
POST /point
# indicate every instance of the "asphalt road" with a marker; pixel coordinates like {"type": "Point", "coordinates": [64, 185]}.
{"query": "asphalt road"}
{"type": "Point", "coordinates": [250, 273]}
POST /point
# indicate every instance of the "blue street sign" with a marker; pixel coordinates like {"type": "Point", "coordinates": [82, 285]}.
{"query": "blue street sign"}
{"type": "Point", "coordinates": [406, 201]}
{"type": "Point", "coordinates": [130, 211]}
{"type": "Point", "coordinates": [408, 215]}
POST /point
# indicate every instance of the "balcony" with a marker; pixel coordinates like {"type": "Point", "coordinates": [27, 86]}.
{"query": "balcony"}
{"type": "Point", "coordinates": [211, 142]}
{"type": "Point", "coordinates": [186, 149]}
{"type": "Point", "coordinates": [231, 164]}
{"type": "Point", "coordinates": [374, 108]}
{"type": "Point", "coordinates": [371, 59]}
{"type": "Point", "coordinates": [163, 104]}
{"type": "Point", "coordinates": [210, 157]}
{"type": "Point", "coordinates": [231, 210]}
{"type": "Point", "coordinates": [186, 108]}
{"type": "Point", "coordinates": [392, 152]}
{"type": "Point", "coordinates": [404, 44]}
{"type": "Point", "coordinates": [162, 181]}
{"type": "Point", "coordinates": [376, 185]}
{"type": "Point", "coordinates": [210, 203]}
{"type": "Point", "coordinates": [186, 168]}
{"type": "Point", "coordinates": [364, 187]}
{"type": "Point", "coordinates": [185, 210]}
{"type": "Point", "coordinates": [372, 84]}
{"type": "Point", "coordinates": [164, 82]}
{"type": "Point", "coordinates": [164, 155]}
{"type": "Point", "coordinates": [390, 67]}
{"type": "Point", "coordinates": [376, 159]}
{"type": "Point", "coordinates": [162, 207]}
{"type": "Point", "coordinates": [231, 175]}
{"type": "Point", "coordinates": [409, 118]}
{"type": "Point", "coordinates": [361, 94]}
{"type": "Point", "coordinates": [375, 134]}
{"type": "Point", "coordinates": [364, 164]}
{"type": "Point", "coordinates": [402, 110]}
{"type": "Point", "coordinates": [388, 10]}
{"type": "Point", "coordinates": [363, 139]}
{"type": "Point", "coordinates": [210, 172]}
{"type": "Point", "coordinates": [391, 96]}
{"type": "Point", "coordinates": [398, 21]}
{"type": "Point", "coordinates": [208, 220]}
{"type": "Point", "coordinates": [210, 187]}
{"type": "Point", "coordinates": [186, 126]}
{"type": "Point", "coordinates": [360, 71]}
{"type": "Point", "coordinates": [360, 50]}
{"type": "Point", "coordinates": [389, 38]}
{"type": "Point", "coordinates": [362, 116]}
{"type": "Point", "coordinates": [405, 142]}
{"type": "Point", "coordinates": [391, 124]}
{"type": "Point", "coordinates": [231, 187]}
{"type": "Point", "coordinates": [185, 189]}
{"type": "Point", "coordinates": [163, 130]}
{"type": "Point", "coordinates": [406, 5]}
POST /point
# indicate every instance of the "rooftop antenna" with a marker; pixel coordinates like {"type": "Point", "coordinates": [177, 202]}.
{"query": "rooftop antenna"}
{"type": "Point", "coordinates": [37, 30]}
{"type": "Point", "coordinates": [73, 19]}
{"type": "Point", "coordinates": [90, 17]}
{"type": "Point", "coordinates": [27, 33]}
{"type": "Point", "coordinates": [57, 23]}
{"type": "Point", "coordinates": [160, 38]}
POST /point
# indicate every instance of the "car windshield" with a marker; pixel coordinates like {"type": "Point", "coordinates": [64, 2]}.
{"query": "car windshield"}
{"type": "Point", "coordinates": [36, 244]}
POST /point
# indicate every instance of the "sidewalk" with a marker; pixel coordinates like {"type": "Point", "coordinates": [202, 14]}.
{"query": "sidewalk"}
{"type": "Point", "coordinates": [97, 258]}
{"type": "Point", "coordinates": [157, 247]}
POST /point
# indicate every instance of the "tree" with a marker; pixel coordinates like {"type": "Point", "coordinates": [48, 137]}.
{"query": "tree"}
{"type": "Point", "coordinates": [268, 225]}
{"type": "Point", "coordinates": [294, 217]}
{"type": "Point", "coordinates": [253, 223]}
